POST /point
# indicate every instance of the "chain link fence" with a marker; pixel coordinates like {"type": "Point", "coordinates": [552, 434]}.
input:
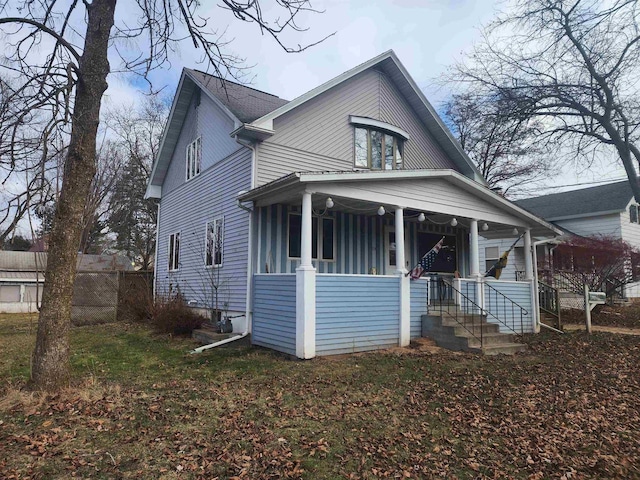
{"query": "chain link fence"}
{"type": "Point", "coordinates": [103, 297]}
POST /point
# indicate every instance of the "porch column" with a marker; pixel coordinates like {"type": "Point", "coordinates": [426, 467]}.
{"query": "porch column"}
{"type": "Point", "coordinates": [474, 257]}
{"type": "Point", "coordinates": [405, 286]}
{"type": "Point", "coordinates": [528, 264]}
{"type": "Point", "coordinates": [306, 288]}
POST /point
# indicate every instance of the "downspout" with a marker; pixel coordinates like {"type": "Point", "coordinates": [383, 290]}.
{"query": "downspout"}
{"type": "Point", "coordinates": [249, 271]}
{"type": "Point", "coordinates": [155, 254]}
{"type": "Point", "coordinates": [536, 297]}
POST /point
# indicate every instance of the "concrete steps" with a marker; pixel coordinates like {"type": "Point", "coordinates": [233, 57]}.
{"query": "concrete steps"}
{"type": "Point", "coordinates": [464, 332]}
{"type": "Point", "coordinates": [207, 335]}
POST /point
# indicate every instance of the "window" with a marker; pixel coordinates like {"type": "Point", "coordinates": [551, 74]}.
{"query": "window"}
{"type": "Point", "coordinates": [377, 150]}
{"type": "Point", "coordinates": [322, 237]}
{"type": "Point", "coordinates": [491, 256]}
{"type": "Point", "coordinates": [215, 243]}
{"type": "Point", "coordinates": [633, 214]}
{"type": "Point", "coordinates": [174, 251]}
{"type": "Point", "coordinates": [194, 155]}
{"type": "Point", "coordinates": [9, 293]}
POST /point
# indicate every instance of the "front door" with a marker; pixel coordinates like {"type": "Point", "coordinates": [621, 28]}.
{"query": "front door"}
{"type": "Point", "coordinates": [390, 250]}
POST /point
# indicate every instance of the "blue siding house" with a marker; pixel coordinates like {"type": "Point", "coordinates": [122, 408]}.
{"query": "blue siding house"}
{"type": "Point", "coordinates": [303, 218]}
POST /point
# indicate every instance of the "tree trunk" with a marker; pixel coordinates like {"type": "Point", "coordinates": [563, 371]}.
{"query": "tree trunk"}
{"type": "Point", "coordinates": [50, 363]}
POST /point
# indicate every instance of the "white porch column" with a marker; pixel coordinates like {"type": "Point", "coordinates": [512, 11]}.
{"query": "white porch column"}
{"type": "Point", "coordinates": [528, 263]}
{"type": "Point", "coordinates": [405, 286]}
{"type": "Point", "coordinates": [474, 257]}
{"type": "Point", "coordinates": [306, 288]}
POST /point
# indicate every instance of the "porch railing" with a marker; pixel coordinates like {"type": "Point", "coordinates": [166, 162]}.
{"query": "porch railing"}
{"type": "Point", "coordinates": [504, 304]}
{"type": "Point", "coordinates": [549, 301]}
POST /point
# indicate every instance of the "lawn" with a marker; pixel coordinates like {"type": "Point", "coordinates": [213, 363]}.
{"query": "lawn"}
{"type": "Point", "coordinates": [143, 408]}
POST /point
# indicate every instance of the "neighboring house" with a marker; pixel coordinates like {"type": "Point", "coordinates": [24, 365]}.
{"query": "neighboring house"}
{"type": "Point", "coordinates": [605, 210]}
{"type": "Point", "coordinates": [305, 215]}
{"type": "Point", "coordinates": [22, 276]}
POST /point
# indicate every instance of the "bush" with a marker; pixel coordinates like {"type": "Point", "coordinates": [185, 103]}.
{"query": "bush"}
{"type": "Point", "coordinates": [172, 315]}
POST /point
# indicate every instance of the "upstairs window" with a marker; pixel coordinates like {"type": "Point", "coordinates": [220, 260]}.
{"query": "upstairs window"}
{"type": "Point", "coordinates": [215, 243]}
{"type": "Point", "coordinates": [174, 251]}
{"type": "Point", "coordinates": [377, 150]}
{"type": "Point", "coordinates": [194, 156]}
{"type": "Point", "coordinates": [633, 214]}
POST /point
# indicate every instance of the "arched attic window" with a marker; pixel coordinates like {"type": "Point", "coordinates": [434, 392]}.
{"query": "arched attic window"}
{"type": "Point", "coordinates": [377, 145]}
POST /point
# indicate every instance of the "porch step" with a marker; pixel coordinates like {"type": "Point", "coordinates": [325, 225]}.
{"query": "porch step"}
{"type": "Point", "coordinates": [207, 335]}
{"type": "Point", "coordinates": [448, 333]}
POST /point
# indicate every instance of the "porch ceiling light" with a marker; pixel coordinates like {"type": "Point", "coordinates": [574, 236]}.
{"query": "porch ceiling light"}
{"type": "Point", "coordinates": [515, 231]}
{"type": "Point", "coordinates": [381, 211]}
{"type": "Point", "coordinates": [421, 217]}
{"type": "Point", "coordinates": [329, 203]}
{"type": "Point", "coordinates": [454, 222]}
{"type": "Point", "coordinates": [485, 227]}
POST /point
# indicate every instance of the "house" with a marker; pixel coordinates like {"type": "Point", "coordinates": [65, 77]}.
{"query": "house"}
{"type": "Point", "coordinates": [304, 216]}
{"type": "Point", "coordinates": [22, 277]}
{"type": "Point", "coordinates": [604, 210]}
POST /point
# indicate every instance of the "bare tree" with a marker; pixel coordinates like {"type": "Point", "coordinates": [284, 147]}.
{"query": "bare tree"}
{"type": "Point", "coordinates": [571, 64]}
{"type": "Point", "coordinates": [504, 147]}
{"type": "Point", "coordinates": [69, 86]}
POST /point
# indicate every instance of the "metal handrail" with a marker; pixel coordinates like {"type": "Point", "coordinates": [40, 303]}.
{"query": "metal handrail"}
{"type": "Point", "coordinates": [446, 291]}
{"type": "Point", "coordinates": [514, 305]}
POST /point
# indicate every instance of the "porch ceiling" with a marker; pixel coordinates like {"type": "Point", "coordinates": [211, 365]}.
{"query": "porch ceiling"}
{"type": "Point", "coordinates": [440, 194]}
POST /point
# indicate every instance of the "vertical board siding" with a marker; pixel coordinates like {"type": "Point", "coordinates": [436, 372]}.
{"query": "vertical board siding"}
{"type": "Point", "coordinates": [419, 305]}
{"type": "Point", "coordinates": [359, 245]}
{"type": "Point", "coordinates": [213, 126]}
{"type": "Point", "coordinates": [274, 312]}
{"type": "Point", "coordinates": [356, 313]}
{"type": "Point", "coordinates": [187, 209]}
{"type": "Point", "coordinates": [317, 135]}
{"type": "Point", "coordinates": [518, 292]}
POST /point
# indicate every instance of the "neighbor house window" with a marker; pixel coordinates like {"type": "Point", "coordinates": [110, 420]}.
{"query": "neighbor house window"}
{"type": "Point", "coordinates": [633, 214]}
{"type": "Point", "coordinates": [491, 256]}
{"type": "Point", "coordinates": [174, 251]}
{"type": "Point", "coordinates": [215, 243]}
{"type": "Point", "coordinates": [322, 237]}
{"type": "Point", "coordinates": [194, 156]}
{"type": "Point", "coordinates": [377, 150]}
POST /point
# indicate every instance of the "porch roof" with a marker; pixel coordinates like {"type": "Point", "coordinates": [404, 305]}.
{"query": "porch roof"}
{"type": "Point", "coordinates": [441, 192]}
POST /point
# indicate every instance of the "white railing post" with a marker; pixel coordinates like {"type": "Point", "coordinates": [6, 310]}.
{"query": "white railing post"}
{"type": "Point", "coordinates": [306, 287]}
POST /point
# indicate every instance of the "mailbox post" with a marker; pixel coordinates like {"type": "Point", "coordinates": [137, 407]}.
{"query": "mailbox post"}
{"type": "Point", "coordinates": [591, 299]}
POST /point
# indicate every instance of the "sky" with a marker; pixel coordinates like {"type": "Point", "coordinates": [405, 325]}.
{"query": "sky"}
{"type": "Point", "coordinates": [427, 35]}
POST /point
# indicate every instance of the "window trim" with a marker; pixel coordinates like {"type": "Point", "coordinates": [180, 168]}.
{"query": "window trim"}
{"type": "Point", "coordinates": [172, 257]}
{"type": "Point", "coordinates": [206, 243]}
{"type": "Point", "coordinates": [398, 145]}
{"type": "Point", "coordinates": [197, 144]}
{"type": "Point", "coordinates": [319, 233]}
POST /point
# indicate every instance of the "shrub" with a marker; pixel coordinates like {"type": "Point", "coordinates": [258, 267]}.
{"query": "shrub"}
{"type": "Point", "coordinates": [172, 315]}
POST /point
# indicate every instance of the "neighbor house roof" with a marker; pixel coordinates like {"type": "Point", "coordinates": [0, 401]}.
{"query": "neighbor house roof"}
{"type": "Point", "coordinates": [599, 200]}
{"type": "Point", "coordinates": [247, 104]}
{"type": "Point", "coordinates": [37, 262]}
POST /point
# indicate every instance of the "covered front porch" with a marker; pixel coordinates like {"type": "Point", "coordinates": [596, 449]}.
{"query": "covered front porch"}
{"type": "Point", "coordinates": [331, 255]}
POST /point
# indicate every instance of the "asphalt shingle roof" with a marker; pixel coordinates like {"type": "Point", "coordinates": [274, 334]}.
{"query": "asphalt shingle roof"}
{"type": "Point", "coordinates": [246, 103]}
{"type": "Point", "coordinates": [603, 198]}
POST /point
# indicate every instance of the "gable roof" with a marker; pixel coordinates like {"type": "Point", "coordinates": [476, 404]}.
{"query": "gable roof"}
{"type": "Point", "coordinates": [602, 199]}
{"type": "Point", "coordinates": [247, 104]}
{"type": "Point", "coordinates": [242, 104]}
{"type": "Point", "coordinates": [389, 63]}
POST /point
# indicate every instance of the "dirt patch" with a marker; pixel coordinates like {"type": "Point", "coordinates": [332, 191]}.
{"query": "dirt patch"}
{"type": "Point", "coordinates": [602, 328]}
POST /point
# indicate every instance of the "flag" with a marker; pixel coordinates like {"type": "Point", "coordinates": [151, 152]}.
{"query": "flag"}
{"type": "Point", "coordinates": [496, 270]}
{"type": "Point", "coordinates": [425, 263]}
